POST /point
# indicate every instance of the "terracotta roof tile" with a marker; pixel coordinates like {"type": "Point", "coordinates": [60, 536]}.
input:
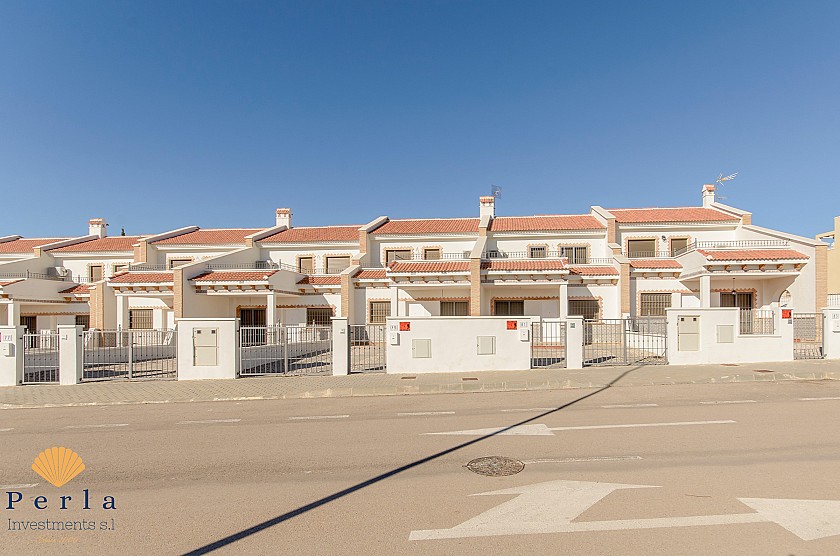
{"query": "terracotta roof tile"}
{"type": "Point", "coordinates": [315, 234]}
{"type": "Point", "coordinates": [371, 274]}
{"type": "Point", "coordinates": [77, 289]}
{"type": "Point", "coordinates": [331, 280]}
{"type": "Point", "coordinates": [655, 263]}
{"type": "Point", "coordinates": [683, 214]}
{"type": "Point", "coordinates": [25, 245]}
{"type": "Point", "coordinates": [428, 226]}
{"type": "Point", "coordinates": [235, 276]}
{"type": "Point", "coordinates": [753, 255]}
{"type": "Point", "coordinates": [117, 243]}
{"type": "Point", "coordinates": [8, 283]}
{"type": "Point", "coordinates": [525, 265]}
{"type": "Point", "coordinates": [208, 236]}
{"type": "Point", "coordinates": [142, 278]}
{"type": "Point", "coordinates": [547, 222]}
{"type": "Point", "coordinates": [429, 266]}
{"type": "Point", "coordinates": [585, 270]}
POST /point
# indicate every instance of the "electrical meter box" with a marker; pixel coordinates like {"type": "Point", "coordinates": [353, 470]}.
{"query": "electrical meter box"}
{"type": "Point", "coordinates": [421, 348]}
{"type": "Point", "coordinates": [7, 349]}
{"type": "Point", "coordinates": [688, 333]}
{"type": "Point", "coordinates": [205, 347]}
{"type": "Point", "coordinates": [485, 345]}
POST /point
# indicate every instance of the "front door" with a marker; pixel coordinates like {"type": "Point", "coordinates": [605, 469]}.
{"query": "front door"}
{"type": "Point", "coordinates": [252, 317]}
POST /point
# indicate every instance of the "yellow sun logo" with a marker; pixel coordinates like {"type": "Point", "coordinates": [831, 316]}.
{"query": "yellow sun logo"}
{"type": "Point", "coordinates": [58, 465]}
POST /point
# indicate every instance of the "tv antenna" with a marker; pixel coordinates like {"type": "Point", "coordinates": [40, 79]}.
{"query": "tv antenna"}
{"type": "Point", "coordinates": [496, 191]}
{"type": "Point", "coordinates": [721, 178]}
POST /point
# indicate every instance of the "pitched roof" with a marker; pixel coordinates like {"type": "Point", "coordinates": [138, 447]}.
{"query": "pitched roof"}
{"type": "Point", "coordinates": [429, 266]}
{"type": "Point", "coordinates": [681, 214]}
{"type": "Point", "coordinates": [77, 289]}
{"type": "Point", "coordinates": [331, 280]}
{"type": "Point", "coordinates": [753, 255]}
{"type": "Point", "coordinates": [546, 222]}
{"type": "Point", "coordinates": [586, 270]}
{"type": "Point", "coordinates": [524, 265]}
{"type": "Point", "coordinates": [371, 274]}
{"type": "Point", "coordinates": [314, 234]}
{"type": "Point", "coordinates": [142, 278]}
{"type": "Point", "coordinates": [234, 276]}
{"type": "Point", "coordinates": [116, 243]}
{"type": "Point", "coordinates": [210, 236]}
{"type": "Point", "coordinates": [26, 245]}
{"type": "Point", "coordinates": [655, 263]}
{"type": "Point", "coordinates": [9, 283]}
{"type": "Point", "coordinates": [428, 226]}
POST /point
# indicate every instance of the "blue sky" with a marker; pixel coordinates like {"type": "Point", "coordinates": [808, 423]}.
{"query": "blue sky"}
{"type": "Point", "coordinates": [157, 115]}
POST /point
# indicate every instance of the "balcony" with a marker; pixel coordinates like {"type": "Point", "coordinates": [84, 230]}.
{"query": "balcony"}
{"type": "Point", "coordinates": [530, 255]}
{"type": "Point", "coordinates": [34, 275]}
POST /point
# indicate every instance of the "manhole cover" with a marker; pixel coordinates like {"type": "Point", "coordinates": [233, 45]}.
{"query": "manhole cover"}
{"type": "Point", "coordinates": [495, 466]}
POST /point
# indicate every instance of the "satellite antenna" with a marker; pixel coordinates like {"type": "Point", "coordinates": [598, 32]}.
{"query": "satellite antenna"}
{"type": "Point", "coordinates": [496, 191]}
{"type": "Point", "coordinates": [721, 178]}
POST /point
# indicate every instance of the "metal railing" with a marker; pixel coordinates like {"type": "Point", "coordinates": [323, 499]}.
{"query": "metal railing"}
{"type": "Point", "coordinates": [631, 341]}
{"type": "Point", "coordinates": [808, 336]}
{"type": "Point", "coordinates": [634, 254]}
{"type": "Point", "coordinates": [285, 350]}
{"type": "Point", "coordinates": [40, 357]}
{"type": "Point", "coordinates": [834, 300]}
{"type": "Point", "coordinates": [757, 321]}
{"type": "Point", "coordinates": [529, 255]}
{"type": "Point", "coordinates": [367, 348]}
{"type": "Point", "coordinates": [548, 345]}
{"type": "Point", "coordinates": [147, 267]}
{"type": "Point", "coordinates": [130, 354]}
{"type": "Point", "coordinates": [732, 244]}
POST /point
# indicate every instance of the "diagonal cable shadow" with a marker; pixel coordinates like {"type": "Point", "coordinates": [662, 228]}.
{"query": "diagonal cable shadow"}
{"type": "Point", "coordinates": [230, 539]}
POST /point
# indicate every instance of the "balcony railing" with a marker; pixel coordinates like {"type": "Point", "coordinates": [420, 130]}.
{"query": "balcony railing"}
{"type": "Point", "coordinates": [34, 275]}
{"type": "Point", "coordinates": [633, 254]}
{"type": "Point", "coordinates": [147, 267]}
{"type": "Point", "coordinates": [733, 244]}
{"type": "Point", "coordinates": [757, 321]}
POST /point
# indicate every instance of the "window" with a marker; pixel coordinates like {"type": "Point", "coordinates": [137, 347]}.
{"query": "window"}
{"type": "Point", "coordinates": [336, 265]}
{"type": "Point", "coordinates": [641, 248]}
{"type": "Point", "coordinates": [140, 319]}
{"type": "Point", "coordinates": [252, 317]}
{"type": "Point", "coordinates": [379, 310]}
{"type": "Point", "coordinates": [95, 273]}
{"type": "Point", "coordinates": [536, 252]}
{"type": "Point", "coordinates": [586, 308]}
{"type": "Point", "coordinates": [319, 316]}
{"type": "Point", "coordinates": [654, 304]}
{"type": "Point", "coordinates": [392, 255]}
{"type": "Point", "coordinates": [431, 254]}
{"type": "Point", "coordinates": [175, 263]}
{"type": "Point", "coordinates": [785, 300]}
{"type": "Point", "coordinates": [509, 308]}
{"type": "Point", "coordinates": [576, 255]}
{"type": "Point", "coordinates": [29, 323]}
{"type": "Point", "coordinates": [454, 308]}
{"type": "Point", "coordinates": [678, 246]}
{"type": "Point", "coordinates": [306, 265]}
{"type": "Point", "coordinates": [740, 300]}
{"type": "Point", "coordinates": [83, 321]}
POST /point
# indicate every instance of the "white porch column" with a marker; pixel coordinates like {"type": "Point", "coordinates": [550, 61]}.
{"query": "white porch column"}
{"type": "Point", "coordinates": [395, 302]}
{"type": "Point", "coordinates": [122, 312]}
{"type": "Point", "coordinates": [271, 308]}
{"type": "Point", "coordinates": [13, 314]}
{"type": "Point", "coordinates": [705, 291]}
{"type": "Point", "coordinates": [564, 300]}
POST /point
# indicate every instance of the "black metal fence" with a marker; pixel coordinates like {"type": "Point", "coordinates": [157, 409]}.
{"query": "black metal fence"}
{"type": "Point", "coordinates": [40, 357]}
{"type": "Point", "coordinates": [548, 345]}
{"type": "Point", "coordinates": [631, 341]}
{"type": "Point", "coordinates": [367, 348]}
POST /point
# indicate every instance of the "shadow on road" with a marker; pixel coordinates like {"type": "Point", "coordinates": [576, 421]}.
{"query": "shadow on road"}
{"type": "Point", "coordinates": [230, 539]}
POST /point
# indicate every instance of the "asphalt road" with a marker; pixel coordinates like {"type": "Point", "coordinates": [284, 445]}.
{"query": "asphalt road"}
{"type": "Point", "coordinates": [363, 476]}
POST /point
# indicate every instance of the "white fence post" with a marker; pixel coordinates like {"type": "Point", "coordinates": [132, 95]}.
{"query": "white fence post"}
{"type": "Point", "coordinates": [831, 333]}
{"type": "Point", "coordinates": [340, 346]}
{"type": "Point", "coordinates": [574, 343]}
{"type": "Point", "coordinates": [71, 354]}
{"type": "Point", "coordinates": [11, 355]}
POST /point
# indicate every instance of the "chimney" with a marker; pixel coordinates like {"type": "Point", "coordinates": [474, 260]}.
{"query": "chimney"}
{"type": "Point", "coordinates": [284, 217]}
{"type": "Point", "coordinates": [708, 195]}
{"type": "Point", "coordinates": [97, 227]}
{"type": "Point", "coordinates": [487, 205]}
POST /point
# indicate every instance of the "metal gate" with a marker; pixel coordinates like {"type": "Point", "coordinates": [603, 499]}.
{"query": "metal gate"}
{"type": "Point", "coordinates": [40, 357]}
{"type": "Point", "coordinates": [632, 341]}
{"type": "Point", "coordinates": [285, 350]}
{"type": "Point", "coordinates": [548, 345]}
{"type": "Point", "coordinates": [367, 348]}
{"type": "Point", "coordinates": [808, 336]}
{"type": "Point", "coordinates": [130, 354]}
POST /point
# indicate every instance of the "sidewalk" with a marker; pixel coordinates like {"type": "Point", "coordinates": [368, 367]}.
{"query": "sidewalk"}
{"type": "Point", "coordinates": [272, 388]}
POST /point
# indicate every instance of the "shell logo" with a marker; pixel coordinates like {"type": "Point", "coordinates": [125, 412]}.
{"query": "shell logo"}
{"type": "Point", "coordinates": [58, 465]}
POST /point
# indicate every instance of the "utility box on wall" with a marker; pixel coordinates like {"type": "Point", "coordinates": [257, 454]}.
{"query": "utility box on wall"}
{"type": "Point", "coordinates": [205, 347]}
{"type": "Point", "coordinates": [688, 333]}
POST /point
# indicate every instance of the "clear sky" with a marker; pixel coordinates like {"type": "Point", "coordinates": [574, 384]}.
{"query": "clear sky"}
{"type": "Point", "coordinates": [157, 115]}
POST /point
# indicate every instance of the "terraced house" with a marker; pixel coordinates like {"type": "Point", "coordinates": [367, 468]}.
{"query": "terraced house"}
{"type": "Point", "coordinates": [609, 263]}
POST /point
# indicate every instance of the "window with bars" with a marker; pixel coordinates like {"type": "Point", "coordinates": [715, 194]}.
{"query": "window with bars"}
{"type": "Point", "coordinates": [454, 308]}
{"type": "Point", "coordinates": [83, 321]}
{"type": "Point", "coordinates": [175, 263]}
{"type": "Point", "coordinates": [654, 304]}
{"type": "Point", "coordinates": [252, 317]}
{"type": "Point", "coordinates": [586, 308]}
{"type": "Point", "coordinates": [140, 319]}
{"type": "Point", "coordinates": [319, 316]}
{"type": "Point", "coordinates": [678, 246]}
{"type": "Point", "coordinates": [509, 308]}
{"type": "Point", "coordinates": [392, 255]}
{"type": "Point", "coordinates": [431, 254]}
{"type": "Point", "coordinates": [641, 248]}
{"type": "Point", "coordinates": [336, 265]}
{"type": "Point", "coordinates": [741, 300]}
{"type": "Point", "coordinates": [537, 252]}
{"type": "Point", "coordinates": [95, 272]}
{"type": "Point", "coordinates": [576, 255]}
{"type": "Point", "coordinates": [379, 311]}
{"type": "Point", "coordinates": [306, 265]}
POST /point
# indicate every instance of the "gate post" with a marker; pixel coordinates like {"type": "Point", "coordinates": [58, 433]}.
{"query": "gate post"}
{"type": "Point", "coordinates": [831, 333]}
{"type": "Point", "coordinates": [71, 350]}
{"type": "Point", "coordinates": [11, 355]}
{"type": "Point", "coordinates": [574, 343]}
{"type": "Point", "coordinates": [340, 346]}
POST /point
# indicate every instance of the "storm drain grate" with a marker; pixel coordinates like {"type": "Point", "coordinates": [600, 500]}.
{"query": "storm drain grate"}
{"type": "Point", "coordinates": [495, 466]}
{"type": "Point", "coordinates": [763, 371]}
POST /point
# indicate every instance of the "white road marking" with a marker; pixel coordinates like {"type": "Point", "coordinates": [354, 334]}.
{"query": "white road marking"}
{"type": "Point", "coordinates": [538, 429]}
{"type": "Point", "coordinates": [635, 425]}
{"type": "Point", "coordinates": [6, 430]}
{"type": "Point", "coordinates": [617, 406]}
{"type": "Point", "coordinates": [818, 399]}
{"type": "Point", "coordinates": [551, 507]}
{"type": "Point", "coordinates": [426, 413]}
{"type": "Point", "coordinates": [208, 421]}
{"type": "Point", "coordinates": [97, 426]}
{"type": "Point", "coordinates": [313, 417]}
{"type": "Point", "coordinates": [24, 485]}
{"type": "Point", "coordinates": [531, 409]}
{"type": "Point", "coordinates": [583, 460]}
{"type": "Point", "coordinates": [719, 402]}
